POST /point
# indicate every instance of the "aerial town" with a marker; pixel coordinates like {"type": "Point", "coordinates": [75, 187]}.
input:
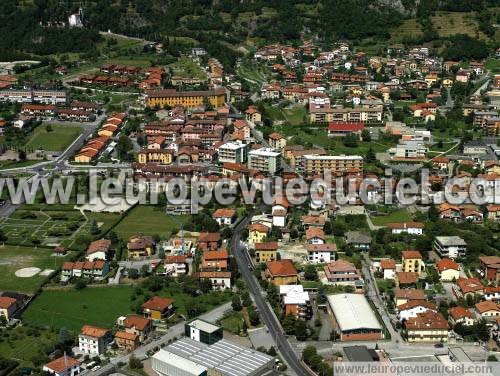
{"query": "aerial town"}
{"type": "Point", "coordinates": [258, 285]}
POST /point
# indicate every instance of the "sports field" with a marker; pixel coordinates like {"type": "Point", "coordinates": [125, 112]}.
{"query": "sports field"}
{"type": "Point", "coordinates": [149, 220]}
{"type": "Point", "coordinates": [58, 139]}
{"type": "Point", "coordinates": [14, 259]}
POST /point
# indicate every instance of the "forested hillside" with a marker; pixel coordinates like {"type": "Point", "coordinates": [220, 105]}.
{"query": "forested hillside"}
{"type": "Point", "coordinates": [35, 27]}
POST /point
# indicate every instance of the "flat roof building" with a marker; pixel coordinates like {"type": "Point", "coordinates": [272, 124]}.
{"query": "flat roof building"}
{"type": "Point", "coordinates": [223, 358]}
{"type": "Point", "coordinates": [450, 246]}
{"type": "Point", "coordinates": [353, 318]}
{"type": "Point", "coordinates": [167, 363]}
{"type": "Point", "coordinates": [203, 331]}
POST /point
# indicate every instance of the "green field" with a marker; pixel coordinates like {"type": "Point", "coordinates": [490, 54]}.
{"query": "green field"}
{"type": "Point", "coordinates": [25, 344]}
{"type": "Point", "coordinates": [401, 215]}
{"type": "Point", "coordinates": [187, 68]}
{"type": "Point", "coordinates": [58, 139]}
{"type": "Point", "coordinates": [149, 220]}
{"type": "Point", "coordinates": [4, 165]}
{"type": "Point", "coordinates": [13, 258]}
{"type": "Point", "coordinates": [72, 309]}
{"type": "Point", "coordinates": [51, 227]}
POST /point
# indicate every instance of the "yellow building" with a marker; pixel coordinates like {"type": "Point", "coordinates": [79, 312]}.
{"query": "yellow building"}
{"type": "Point", "coordinates": [158, 308]}
{"type": "Point", "coordinates": [427, 326]}
{"type": "Point", "coordinates": [172, 98]}
{"type": "Point", "coordinates": [265, 252]}
{"type": "Point", "coordinates": [281, 272]}
{"type": "Point", "coordinates": [448, 269]}
{"type": "Point", "coordinates": [412, 262]}
{"type": "Point", "coordinates": [447, 82]}
{"type": "Point", "coordinates": [257, 233]}
{"type": "Point", "coordinates": [161, 156]}
{"type": "Point", "coordinates": [140, 246]}
{"type": "Point", "coordinates": [431, 79]}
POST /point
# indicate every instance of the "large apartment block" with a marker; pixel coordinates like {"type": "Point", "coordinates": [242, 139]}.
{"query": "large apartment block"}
{"type": "Point", "coordinates": [336, 164]}
{"type": "Point", "coordinates": [172, 98]}
{"type": "Point", "coordinates": [233, 152]}
{"type": "Point", "coordinates": [359, 114]}
{"type": "Point", "coordinates": [265, 160]}
{"type": "Point", "coordinates": [35, 96]}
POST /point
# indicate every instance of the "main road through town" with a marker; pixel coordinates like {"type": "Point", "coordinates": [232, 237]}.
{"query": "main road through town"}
{"type": "Point", "coordinates": [266, 313]}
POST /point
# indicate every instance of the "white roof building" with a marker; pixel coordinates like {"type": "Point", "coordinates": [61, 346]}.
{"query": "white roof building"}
{"type": "Point", "coordinates": [352, 312]}
{"type": "Point", "coordinates": [294, 294]}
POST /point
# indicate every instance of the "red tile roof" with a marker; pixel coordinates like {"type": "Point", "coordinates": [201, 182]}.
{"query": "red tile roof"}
{"type": "Point", "coordinates": [209, 237]}
{"type": "Point", "coordinates": [269, 246]}
{"type": "Point", "coordinates": [388, 264]}
{"type": "Point", "coordinates": [6, 302]}
{"type": "Point", "coordinates": [411, 255]}
{"type": "Point", "coordinates": [428, 320]}
{"type": "Point", "coordinates": [221, 254]}
{"type": "Point", "coordinates": [486, 306]}
{"type": "Point", "coordinates": [157, 303]}
{"type": "Point", "coordinates": [407, 278]}
{"type": "Point", "coordinates": [314, 232]}
{"type": "Point", "coordinates": [460, 312]}
{"type": "Point", "coordinates": [281, 268]}
{"type": "Point", "coordinates": [345, 127]}
{"type": "Point", "coordinates": [224, 213]}
{"type": "Point", "coordinates": [93, 331]}
{"type": "Point", "coordinates": [61, 364]}
{"type": "Point", "coordinates": [467, 285]}
{"type": "Point", "coordinates": [140, 323]}
{"type": "Point", "coordinates": [446, 264]}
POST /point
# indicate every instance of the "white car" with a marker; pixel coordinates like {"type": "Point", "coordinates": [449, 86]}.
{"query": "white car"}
{"type": "Point", "coordinates": [95, 368]}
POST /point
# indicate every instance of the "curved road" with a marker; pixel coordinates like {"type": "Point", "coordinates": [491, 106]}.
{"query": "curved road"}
{"type": "Point", "coordinates": [268, 317]}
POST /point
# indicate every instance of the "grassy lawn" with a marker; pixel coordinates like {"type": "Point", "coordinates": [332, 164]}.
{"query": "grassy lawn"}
{"type": "Point", "coordinates": [401, 215]}
{"type": "Point", "coordinates": [72, 309]}
{"type": "Point", "coordinates": [58, 140]}
{"type": "Point", "coordinates": [403, 104]}
{"type": "Point", "coordinates": [50, 227]}
{"type": "Point", "coordinates": [492, 65]}
{"type": "Point", "coordinates": [149, 220]}
{"type": "Point", "coordinates": [451, 23]}
{"type": "Point", "coordinates": [13, 258]}
{"type": "Point", "coordinates": [23, 344]}
{"type": "Point", "coordinates": [233, 323]}
{"type": "Point", "coordinates": [295, 115]}
{"type": "Point", "coordinates": [4, 165]}
{"type": "Point", "coordinates": [187, 68]}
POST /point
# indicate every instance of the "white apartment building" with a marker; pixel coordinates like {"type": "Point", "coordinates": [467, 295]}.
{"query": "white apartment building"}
{"type": "Point", "coordinates": [265, 160]}
{"type": "Point", "coordinates": [450, 246]}
{"type": "Point", "coordinates": [233, 152]}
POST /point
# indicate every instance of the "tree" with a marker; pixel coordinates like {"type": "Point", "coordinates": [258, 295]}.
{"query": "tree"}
{"type": "Point", "coordinates": [22, 155]}
{"type": "Point", "coordinates": [289, 324]}
{"type": "Point", "coordinates": [254, 317]}
{"type": "Point", "coordinates": [133, 273]}
{"type": "Point", "coordinates": [236, 303]}
{"type": "Point", "coordinates": [94, 228]}
{"type": "Point", "coordinates": [80, 284]}
{"type": "Point", "coordinates": [482, 331]}
{"type": "Point", "coordinates": [365, 135]}
{"type": "Point", "coordinates": [351, 140]}
{"type": "Point", "coordinates": [134, 362]}
{"type": "Point", "coordinates": [310, 273]}
{"type": "Point", "coordinates": [370, 155]}
{"type": "Point", "coordinates": [49, 128]}
{"type": "Point", "coordinates": [123, 147]}
{"type": "Point", "coordinates": [433, 213]}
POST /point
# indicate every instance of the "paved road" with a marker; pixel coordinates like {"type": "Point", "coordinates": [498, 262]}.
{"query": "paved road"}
{"type": "Point", "coordinates": [266, 313]}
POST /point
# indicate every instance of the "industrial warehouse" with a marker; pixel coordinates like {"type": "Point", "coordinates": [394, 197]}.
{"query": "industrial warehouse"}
{"type": "Point", "coordinates": [353, 318]}
{"type": "Point", "coordinates": [188, 357]}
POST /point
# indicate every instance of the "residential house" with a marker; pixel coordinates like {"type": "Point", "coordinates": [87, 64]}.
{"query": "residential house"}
{"type": "Point", "coordinates": [461, 315]}
{"type": "Point", "coordinates": [215, 260]}
{"type": "Point", "coordinates": [296, 301]}
{"type": "Point", "coordinates": [126, 340]}
{"type": "Point", "coordinates": [470, 286]}
{"type": "Point", "coordinates": [448, 270]}
{"type": "Point", "coordinates": [402, 296]}
{"type": "Point", "coordinates": [493, 213]}
{"type": "Point", "coordinates": [492, 293]}
{"type": "Point", "coordinates": [488, 310]}
{"type": "Point", "coordinates": [411, 228]}
{"type": "Point", "coordinates": [140, 246]}
{"type": "Point", "coordinates": [138, 325]}
{"type": "Point", "coordinates": [315, 235]}
{"type": "Point", "coordinates": [490, 268]}
{"type": "Point", "coordinates": [388, 268]}
{"type": "Point", "coordinates": [429, 326]}
{"type": "Point", "coordinates": [265, 252]}
{"type": "Point", "coordinates": [99, 250]}
{"type": "Point", "coordinates": [94, 340]}
{"type": "Point", "coordinates": [450, 246]}
{"type": "Point", "coordinates": [220, 280]}
{"type": "Point", "coordinates": [281, 272]}
{"type": "Point", "coordinates": [158, 308]}
{"type": "Point", "coordinates": [279, 211]}
{"type": "Point", "coordinates": [406, 280]}
{"type": "Point", "coordinates": [413, 307]}
{"type": "Point", "coordinates": [209, 241]}
{"type": "Point", "coordinates": [257, 233]}
{"type": "Point", "coordinates": [343, 129]}
{"type": "Point", "coordinates": [313, 221]}
{"type": "Point", "coordinates": [63, 366]}
{"type": "Point", "coordinates": [175, 265]}
{"type": "Point", "coordinates": [253, 115]}
{"type": "Point", "coordinates": [277, 141]}
{"type": "Point", "coordinates": [412, 262]}
{"type": "Point", "coordinates": [342, 272]}
{"type": "Point", "coordinates": [320, 253]}
{"type": "Point", "coordinates": [358, 240]}
{"type": "Point", "coordinates": [8, 306]}
{"type": "Point", "coordinates": [225, 216]}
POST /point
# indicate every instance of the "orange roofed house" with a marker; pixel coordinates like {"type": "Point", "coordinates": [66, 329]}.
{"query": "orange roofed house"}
{"type": "Point", "coordinates": [342, 272]}
{"type": "Point", "coordinates": [93, 340]}
{"type": "Point", "coordinates": [98, 250]}
{"type": "Point", "coordinates": [8, 307]}
{"type": "Point", "coordinates": [412, 262]}
{"type": "Point", "coordinates": [225, 217]}
{"type": "Point", "coordinates": [209, 241]}
{"type": "Point", "coordinates": [429, 326]}
{"type": "Point", "coordinates": [63, 366]}
{"type": "Point", "coordinates": [126, 341]}
{"type": "Point", "coordinates": [461, 315]}
{"type": "Point", "coordinates": [158, 308]}
{"type": "Point", "coordinates": [214, 260]}
{"type": "Point", "coordinates": [281, 272]}
{"type": "Point", "coordinates": [138, 325]}
{"type": "Point", "coordinates": [490, 268]}
{"type": "Point", "coordinates": [470, 286]}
